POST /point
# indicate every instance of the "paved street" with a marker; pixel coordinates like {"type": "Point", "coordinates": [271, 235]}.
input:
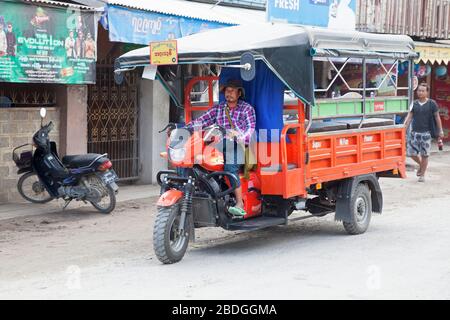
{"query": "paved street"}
{"type": "Point", "coordinates": [83, 254]}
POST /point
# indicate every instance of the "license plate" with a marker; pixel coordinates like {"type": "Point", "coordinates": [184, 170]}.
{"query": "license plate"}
{"type": "Point", "coordinates": [109, 177]}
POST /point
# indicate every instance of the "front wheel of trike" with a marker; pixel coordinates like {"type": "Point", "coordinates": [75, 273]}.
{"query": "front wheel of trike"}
{"type": "Point", "coordinates": [361, 211]}
{"type": "Point", "coordinates": [168, 242]}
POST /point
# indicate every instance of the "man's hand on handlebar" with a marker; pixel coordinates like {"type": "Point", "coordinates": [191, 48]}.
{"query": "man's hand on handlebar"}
{"type": "Point", "coordinates": [233, 134]}
{"type": "Point", "coordinates": [211, 135]}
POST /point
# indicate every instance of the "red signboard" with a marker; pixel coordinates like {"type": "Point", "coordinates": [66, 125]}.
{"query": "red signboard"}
{"type": "Point", "coordinates": [442, 96]}
{"type": "Point", "coordinates": [379, 106]}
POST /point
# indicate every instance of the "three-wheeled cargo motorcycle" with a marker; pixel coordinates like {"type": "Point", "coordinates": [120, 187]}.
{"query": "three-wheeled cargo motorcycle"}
{"type": "Point", "coordinates": [336, 132]}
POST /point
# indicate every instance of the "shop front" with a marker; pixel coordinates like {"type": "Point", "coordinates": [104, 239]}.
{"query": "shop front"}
{"type": "Point", "coordinates": [124, 119]}
{"type": "Point", "coordinates": [47, 57]}
{"type": "Point", "coordinates": [434, 69]}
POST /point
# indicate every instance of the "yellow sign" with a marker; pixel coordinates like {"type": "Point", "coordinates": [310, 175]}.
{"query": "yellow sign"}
{"type": "Point", "coordinates": [163, 52]}
{"type": "Point", "coordinates": [433, 54]}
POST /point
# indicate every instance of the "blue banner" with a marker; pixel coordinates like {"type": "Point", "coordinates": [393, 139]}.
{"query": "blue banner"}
{"type": "Point", "coordinates": [333, 14]}
{"type": "Point", "coordinates": [191, 26]}
{"type": "Point", "coordinates": [142, 27]}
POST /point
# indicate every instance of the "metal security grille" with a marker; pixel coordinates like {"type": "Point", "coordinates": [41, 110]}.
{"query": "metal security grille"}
{"type": "Point", "coordinates": [113, 120]}
{"type": "Point", "coordinates": [27, 95]}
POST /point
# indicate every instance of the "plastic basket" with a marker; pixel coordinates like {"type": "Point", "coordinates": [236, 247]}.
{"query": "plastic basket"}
{"type": "Point", "coordinates": [23, 156]}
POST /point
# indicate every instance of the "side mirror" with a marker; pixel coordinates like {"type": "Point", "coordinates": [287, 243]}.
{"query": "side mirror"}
{"type": "Point", "coordinates": [248, 67]}
{"type": "Point", "coordinates": [43, 113]}
{"type": "Point", "coordinates": [118, 75]}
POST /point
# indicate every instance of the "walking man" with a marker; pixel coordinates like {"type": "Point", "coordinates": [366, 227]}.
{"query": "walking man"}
{"type": "Point", "coordinates": [424, 114]}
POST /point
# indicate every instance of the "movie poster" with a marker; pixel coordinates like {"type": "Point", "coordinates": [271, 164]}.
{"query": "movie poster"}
{"type": "Point", "coordinates": [47, 45]}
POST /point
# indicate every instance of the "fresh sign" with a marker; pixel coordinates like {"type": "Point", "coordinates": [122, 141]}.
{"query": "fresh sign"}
{"type": "Point", "coordinates": [333, 14]}
{"type": "Point", "coordinates": [288, 4]}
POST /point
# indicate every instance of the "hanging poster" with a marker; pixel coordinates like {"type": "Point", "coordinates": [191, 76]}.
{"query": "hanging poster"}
{"type": "Point", "coordinates": [46, 44]}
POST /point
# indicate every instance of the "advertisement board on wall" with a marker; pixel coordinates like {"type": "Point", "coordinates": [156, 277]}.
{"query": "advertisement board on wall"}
{"type": "Point", "coordinates": [333, 14]}
{"type": "Point", "coordinates": [47, 45]}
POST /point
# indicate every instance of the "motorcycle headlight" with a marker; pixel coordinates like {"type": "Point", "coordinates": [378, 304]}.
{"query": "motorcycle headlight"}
{"type": "Point", "coordinates": [177, 155]}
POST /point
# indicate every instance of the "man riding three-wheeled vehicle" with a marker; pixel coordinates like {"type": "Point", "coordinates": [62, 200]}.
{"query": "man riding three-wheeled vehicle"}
{"type": "Point", "coordinates": [256, 158]}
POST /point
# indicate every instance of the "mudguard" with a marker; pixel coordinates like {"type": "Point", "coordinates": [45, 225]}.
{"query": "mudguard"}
{"type": "Point", "coordinates": [169, 198]}
{"type": "Point", "coordinates": [346, 190]}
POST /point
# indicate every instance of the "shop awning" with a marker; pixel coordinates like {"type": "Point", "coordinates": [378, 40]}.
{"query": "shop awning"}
{"type": "Point", "coordinates": [433, 52]}
{"type": "Point", "coordinates": [60, 4]}
{"type": "Point", "coordinates": [195, 10]}
{"type": "Point", "coordinates": [142, 21]}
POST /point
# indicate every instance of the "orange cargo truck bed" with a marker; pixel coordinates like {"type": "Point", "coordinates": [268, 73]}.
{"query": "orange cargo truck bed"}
{"type": "Point", "coordinates": [324, 157]}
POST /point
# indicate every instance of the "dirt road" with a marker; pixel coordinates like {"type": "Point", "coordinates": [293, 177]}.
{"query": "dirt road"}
{"type": "Point", "coordinates": [82, 254]}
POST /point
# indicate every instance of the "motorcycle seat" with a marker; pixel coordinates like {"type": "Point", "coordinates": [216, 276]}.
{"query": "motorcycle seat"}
{"type": "Point", "coordinates": [80, 160]}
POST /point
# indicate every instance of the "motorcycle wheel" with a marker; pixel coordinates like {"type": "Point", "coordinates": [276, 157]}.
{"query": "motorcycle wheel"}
{"type": "Point", "coordinates": [108, 203]}
{"type": "Point", "coordinates": [32, 190]}
{"type": "Point", "coordinates": [169, 245]}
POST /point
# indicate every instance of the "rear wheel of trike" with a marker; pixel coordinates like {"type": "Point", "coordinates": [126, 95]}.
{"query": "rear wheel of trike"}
{"type": "Point", "coordinates": [361, 213]}
{"type": "Point", "coordinates": [168, 242]}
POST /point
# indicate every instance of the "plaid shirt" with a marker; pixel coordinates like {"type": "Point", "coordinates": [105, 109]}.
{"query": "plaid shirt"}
{"type": "Point", "coordinates": [243, 117]}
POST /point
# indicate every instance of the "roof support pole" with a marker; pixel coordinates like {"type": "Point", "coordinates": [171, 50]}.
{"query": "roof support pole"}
{"type": "Point", "coordinates": [410, 81]}
{"type": "Point", "coordinates": [364, 92]}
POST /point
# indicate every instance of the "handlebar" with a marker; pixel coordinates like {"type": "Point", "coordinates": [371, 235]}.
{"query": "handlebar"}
{"type": "Point", "coordinates": [169, 127]}
{"type": "Point", "coordinates": [209, 131]}
{"type": "Point", "coordinates": [49, 127]}
{"type": "Point", "coordinates": [40, 138]}
{"type": "Point", "coordinates": [216, 126]}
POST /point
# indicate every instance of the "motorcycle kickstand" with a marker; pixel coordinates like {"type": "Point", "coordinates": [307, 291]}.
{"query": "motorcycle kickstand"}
{"type": "Point", "coordinates": [66, 204]}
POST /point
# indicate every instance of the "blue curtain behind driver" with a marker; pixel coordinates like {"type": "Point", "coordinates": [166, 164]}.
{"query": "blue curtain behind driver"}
{"type": "Point", "coordinates": [266, 94]}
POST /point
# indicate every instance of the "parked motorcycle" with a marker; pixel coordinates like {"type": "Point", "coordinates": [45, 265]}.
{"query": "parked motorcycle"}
{"type": "Point", "coordinates": [87, 178]}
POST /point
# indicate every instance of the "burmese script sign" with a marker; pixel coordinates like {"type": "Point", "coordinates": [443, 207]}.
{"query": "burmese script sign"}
{"type": "Point", "coordinates": [163, 52]}
{"type": "Point", "coordinates": [47, 45]}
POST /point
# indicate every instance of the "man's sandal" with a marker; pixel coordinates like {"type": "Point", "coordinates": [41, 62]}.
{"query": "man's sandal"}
{"type": "Point", "coordinates": [237, 212]}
